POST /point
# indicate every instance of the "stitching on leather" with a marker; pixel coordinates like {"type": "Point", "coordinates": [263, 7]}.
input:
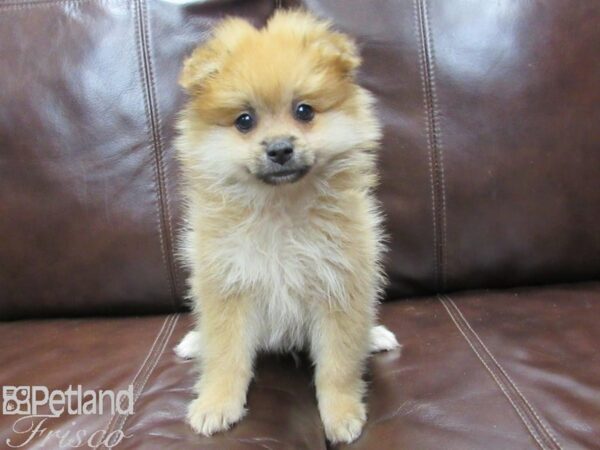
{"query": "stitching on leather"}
{"type": "Point", "coordinates": [160, 148]}
{"type": "Point", "coordinates": [142, 51]}
{"type": "Point", "coordinates": [437, 134]}
{"type": "Point", "coordinates": [120, 423]}
{"type": "Point", "coordinates": [527, 419]}
{"type": "Point", "coordinates": [149, 357]}
{"type": "Point", "coordinates": [134, 381]}
{"type": "Point", "coordinates": [532, 432]}
{"type": "Point", "coordinates": [540, 422]}
{"type": "Point", "coordinates": [43, 3]}
{"type": "Point", "coordinates": [429, 151]}
{"type": "Point", "coordinates": [7, 7]}
{"type": "Point", "coordinates": [514, 385]}
{"type": "Point", "coordinates": [434, 144]}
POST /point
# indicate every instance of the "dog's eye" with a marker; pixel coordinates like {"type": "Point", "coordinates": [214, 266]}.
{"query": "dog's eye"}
{"type": "Point", "coordinates": [304, 112]}
{"type": "Point", "coordinates": [244, 122]}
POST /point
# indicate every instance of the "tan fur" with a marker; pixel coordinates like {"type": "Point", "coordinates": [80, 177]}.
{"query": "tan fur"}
{"type": "Point", "coordinates": [288, 266]}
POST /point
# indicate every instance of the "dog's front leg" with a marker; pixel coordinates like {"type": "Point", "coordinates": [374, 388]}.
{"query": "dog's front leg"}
{"type": "Point", "coordinates": [226, 358]}
{"type": "Point", "coordinates": [340, 346]}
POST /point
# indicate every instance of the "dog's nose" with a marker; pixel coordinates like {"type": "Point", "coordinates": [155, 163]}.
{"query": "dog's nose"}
{"type": "Point", "coordinates": [280, 151]}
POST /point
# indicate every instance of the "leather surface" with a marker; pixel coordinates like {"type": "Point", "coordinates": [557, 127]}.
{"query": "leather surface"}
{"type": "Point", "coordinates": [88, 195]}
{"type": "Point", "coordinates": [512, 369]}
{"type": "Point", "coordinates": [480, 370]}
{"type": "Point", "coordinates": [490, 163]}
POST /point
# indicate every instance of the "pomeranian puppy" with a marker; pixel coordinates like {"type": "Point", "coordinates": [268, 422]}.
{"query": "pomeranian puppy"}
{"type": "Point", "coordinates": [277, 148]}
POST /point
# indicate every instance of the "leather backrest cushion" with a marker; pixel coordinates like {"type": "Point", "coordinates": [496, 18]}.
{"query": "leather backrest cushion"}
{"type": "Point", "coordinates": [490, 163]}
{"type": "Point", "coordinates": [88, 200]}
{"type": "Point", "coordinates": [491, 159]}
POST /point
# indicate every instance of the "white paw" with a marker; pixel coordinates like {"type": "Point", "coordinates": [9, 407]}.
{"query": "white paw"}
{"type": "Point", "coordinates": [207, 419]}
{"type": "Point", "coordinates": [189, 347]}
{"type": "Point", "coordinates": [382, 339]}
{"type": "Point", "coordinates": [345, 426]}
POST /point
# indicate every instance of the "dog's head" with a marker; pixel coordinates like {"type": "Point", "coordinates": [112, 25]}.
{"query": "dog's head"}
{"type": "Point", "coordinates": [272, 105]}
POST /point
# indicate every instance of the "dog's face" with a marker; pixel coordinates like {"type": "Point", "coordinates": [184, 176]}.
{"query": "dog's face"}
{"type": "Point", "coordinates": [275, 104]}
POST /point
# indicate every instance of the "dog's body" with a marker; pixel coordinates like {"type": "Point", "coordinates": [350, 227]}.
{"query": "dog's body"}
{"type": "Point", "coordinates": [284, 233]}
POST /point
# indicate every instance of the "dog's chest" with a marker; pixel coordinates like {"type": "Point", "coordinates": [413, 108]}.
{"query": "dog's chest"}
{"type": "Point", "coordinates": [279, 254]}
{"type": "Point", "coordinates": [286, 264]}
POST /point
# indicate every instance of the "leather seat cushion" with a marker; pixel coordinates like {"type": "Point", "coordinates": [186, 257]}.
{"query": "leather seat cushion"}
{"type": "Point", "coordinates": [490, 369]}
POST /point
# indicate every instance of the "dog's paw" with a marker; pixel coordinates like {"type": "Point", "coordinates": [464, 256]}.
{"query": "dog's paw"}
{"type": "Point", "coordinates": [344, 422]}
{"type": "Point", "coordinates": [189, 347]}
{"type": "Point", "coordinates": [382, 339]}
{"type": "Point", "coordinates": [208, 418]}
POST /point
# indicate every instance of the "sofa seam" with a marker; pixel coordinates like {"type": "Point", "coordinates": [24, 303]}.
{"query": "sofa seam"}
{"type": "Point", "coordinates": [522, 411]}
{"type": "Point", "coordinates": [12, 6]}
{"type": "Point", "coordinates": [113, 417]}
{"type": "Point", "coordinates": [161, 150]}
{"type": "Point", "coordinates": [150, 360]}
{"type": "Point", "coordinates": [510, 380]}
{"type": "Point", "coordinates": [439, 144]}
{"type": "Point", "coordinates": [496, 380]}
{"type": "Point", "coordinates": [429, 155]}
{"type": "Point", "coordinates": [434, 140]}
{"type": "Point", "coordinates": [123, 418]}
{"type": "Point", "coordinates": [151, 124]}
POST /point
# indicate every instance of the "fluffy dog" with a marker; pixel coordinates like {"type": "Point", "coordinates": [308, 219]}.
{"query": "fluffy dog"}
{"type": "Point", "coordinates": [277, 148]}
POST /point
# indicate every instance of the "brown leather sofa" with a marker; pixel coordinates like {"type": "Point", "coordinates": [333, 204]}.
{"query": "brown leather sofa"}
{"type": "Point", "coordinates": [490, 182]}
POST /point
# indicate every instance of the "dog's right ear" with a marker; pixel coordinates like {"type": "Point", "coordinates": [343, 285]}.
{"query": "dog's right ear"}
{"type": "Point", "coordinates": [207, 59]}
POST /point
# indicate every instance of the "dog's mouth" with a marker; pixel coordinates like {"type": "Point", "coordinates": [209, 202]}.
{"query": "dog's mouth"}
{"type": "Point", "coordinates": [284, 176]}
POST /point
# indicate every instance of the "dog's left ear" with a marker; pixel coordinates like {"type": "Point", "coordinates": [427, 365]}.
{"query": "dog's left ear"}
{"type": "Point", "coordinates": [341, 50]}
{"type": "Point", "coordinates": [336, 49]}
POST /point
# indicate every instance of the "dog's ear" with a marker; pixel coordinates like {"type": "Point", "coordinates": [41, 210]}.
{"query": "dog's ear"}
{"type": "Point", "coordinates": [336, 49]}
{"type": "Point", "coordinates": [207, 59]}
{"type": "Point", "coordinates": [340, 50]}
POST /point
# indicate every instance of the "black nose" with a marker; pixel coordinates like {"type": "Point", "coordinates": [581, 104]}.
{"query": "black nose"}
{"type": "Point", "coordinates": [280, 151]}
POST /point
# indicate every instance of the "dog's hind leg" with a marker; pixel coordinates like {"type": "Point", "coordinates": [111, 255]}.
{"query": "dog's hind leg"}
{"type": "Point", "coordinates": [189, 347]}
{"type": "Point", "coordinates": [381, 339]}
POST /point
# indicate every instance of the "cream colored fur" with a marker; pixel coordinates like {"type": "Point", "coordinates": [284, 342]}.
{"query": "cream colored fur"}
{"type": "Point", "coordinates": [289, 266]}
{"type": "Point", "coordinates": [380, 339]}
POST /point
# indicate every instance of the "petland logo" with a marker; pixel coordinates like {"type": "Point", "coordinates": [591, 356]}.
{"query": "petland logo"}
{"type": "Point", "coordinates": [37, 404]}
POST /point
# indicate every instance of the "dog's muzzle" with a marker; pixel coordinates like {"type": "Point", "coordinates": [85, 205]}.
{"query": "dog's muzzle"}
{"type": "Point", "coordinates": [282, 163]}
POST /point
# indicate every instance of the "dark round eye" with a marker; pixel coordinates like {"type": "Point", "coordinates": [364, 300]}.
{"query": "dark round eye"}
{"type": "Point", "coordinates": [304, 112]}
{"type": "Point", "coordinates": [244, 122]}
